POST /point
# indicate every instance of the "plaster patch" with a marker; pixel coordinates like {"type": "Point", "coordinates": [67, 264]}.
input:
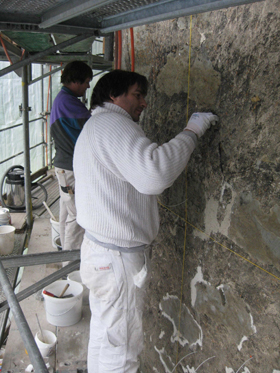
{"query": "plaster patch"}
{"type": "Point", "coordinates": [222, 306]}
{"type": "Point", "coordinates": [186, 330]}
{"type": "Point", "coordinates": [276, 371]}
{"type": "Point", "coordinates": [161, 334]}
{"type": "Point", "coordinates": [256, 231]}
{"type": "Point", "coordinates": [205, 81]}
{"type": "Point", "coordinates": [197, 278]}
{"type": "Point", "coordinates": [202, 39]}
{"type": "Point", "coordinates": [212, 225]}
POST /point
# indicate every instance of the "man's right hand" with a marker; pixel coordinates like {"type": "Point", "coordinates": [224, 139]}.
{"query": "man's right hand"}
{"type": "Point", "coordinates": [200, 122]}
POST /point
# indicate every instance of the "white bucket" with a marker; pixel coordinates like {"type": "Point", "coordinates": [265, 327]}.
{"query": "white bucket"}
{"type": "Point", "coordinates": [55, 232]}
{"type": "Point", "coordinates": [5, 216]}
{"type": "Point", "coordinates": [7, 239]}
{"type": "Point", "coordinates": [75, 276]}
{"type": "Point", "coordinates": [48, 346]}
{"type": "Point", "coordinates": [64, 311]}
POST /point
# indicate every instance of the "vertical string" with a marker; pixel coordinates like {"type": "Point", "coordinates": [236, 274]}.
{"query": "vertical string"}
{"type": "Point", "coordinates": [185, 234]}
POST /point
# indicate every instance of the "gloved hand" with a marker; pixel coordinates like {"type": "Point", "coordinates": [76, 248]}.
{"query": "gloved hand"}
{"type": "Point", "coordinates": [200, 122]}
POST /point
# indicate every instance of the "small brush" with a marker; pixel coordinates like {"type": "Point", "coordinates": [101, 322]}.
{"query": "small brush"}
{"type": "Point", "coordinates": [41, 331]}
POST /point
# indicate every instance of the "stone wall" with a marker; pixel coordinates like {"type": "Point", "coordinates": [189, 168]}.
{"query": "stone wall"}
{"type": "Point", "coordinates": [213, 299]}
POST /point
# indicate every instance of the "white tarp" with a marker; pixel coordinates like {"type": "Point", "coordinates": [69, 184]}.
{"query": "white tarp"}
{"type": "Point", "coordinates": [12, 141]}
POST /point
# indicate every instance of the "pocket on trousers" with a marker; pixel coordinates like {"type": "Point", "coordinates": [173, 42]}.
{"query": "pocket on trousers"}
{"type": "Point", "coordinates": [100, 279]}
{"type": "Point", "coordinates": [141, 278]}
{"type": "Point", "coordinates": [112, 357]}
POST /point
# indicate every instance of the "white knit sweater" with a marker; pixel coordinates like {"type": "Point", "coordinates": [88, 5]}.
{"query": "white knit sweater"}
{"type": "Point", "coordinates": [118, 174]}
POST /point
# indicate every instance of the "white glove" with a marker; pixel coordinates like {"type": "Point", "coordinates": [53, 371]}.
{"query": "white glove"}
{"type": "Point", "coordinates": [200, 122]}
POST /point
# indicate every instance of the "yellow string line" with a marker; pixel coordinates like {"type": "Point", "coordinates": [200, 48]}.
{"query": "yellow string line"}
{"type": "Point", "coordinates": [225, 247]}
{"type": "Point", "coordinates": [185, 234]}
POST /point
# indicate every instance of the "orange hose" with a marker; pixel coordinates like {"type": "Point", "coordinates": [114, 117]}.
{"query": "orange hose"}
{"type": "Point", "coordinates": [5, 49]}
{"type": "Point", "coordinates": [132, 49]}
{"type": "Point", "coordinates": [119, 49]}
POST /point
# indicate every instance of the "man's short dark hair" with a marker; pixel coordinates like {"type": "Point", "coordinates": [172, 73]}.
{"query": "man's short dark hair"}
{"type": "Point", "coordinates": [114, 84]}
{"type": "Point", "coordinates": [76, 71]}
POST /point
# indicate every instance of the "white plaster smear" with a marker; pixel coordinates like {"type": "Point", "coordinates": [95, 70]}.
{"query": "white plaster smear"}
{"type": "Point", "coordinates": [210, 216]}
{"type": "Point", "coordinates": [188, 370]}
{"type": "Point", "coordinates": [166, 369]}
{"type": "Point", "coordinates": [198, 278]}
{"type": "Point", "coordinates": [243, 339]}
{"type": "Point", "coordinates": [162, 352]}
{"type": "Point", "coordinates": [176, 335]}
{"type": "Point", "coordinates": [252, 325]}
{"type": "Point", "coordinates": [203, 38]}
{"type": "Point", "coordinates": [230, 370]}
{"type": "Point", "coordinates": [276, 371]}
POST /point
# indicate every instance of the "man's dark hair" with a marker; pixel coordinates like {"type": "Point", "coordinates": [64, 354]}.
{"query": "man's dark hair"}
{"type": "Point", "coordinates": [76, 71]}
{"type": "Point", "coordinates": [114, 84]}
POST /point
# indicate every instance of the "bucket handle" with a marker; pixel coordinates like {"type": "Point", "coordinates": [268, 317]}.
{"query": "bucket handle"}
{"type": "Point", "coordinates": [64, 313]}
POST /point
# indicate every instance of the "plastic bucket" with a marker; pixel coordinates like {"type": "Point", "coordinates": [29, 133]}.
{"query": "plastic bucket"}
{"type": "Point", "coordinates": [7, 239]}
{"type": "Point", "coordinates": [58, 243]}
{"type": "Point", "coordinates": [55, 231]}
{"type": "Point", "coordinates": [64, 311]}
{"type": "Point", "coordinates": [48, 346]}
{"type": "Point", "coordinates": [75, 276]}
{"type": "Point", "coordinates": [5, 216]}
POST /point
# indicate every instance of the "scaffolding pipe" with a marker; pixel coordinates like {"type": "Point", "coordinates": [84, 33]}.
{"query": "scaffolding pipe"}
{"type": "Point", "coordinates": [27, 181]}
{"type": "Point", "coordinates": [43, 119]}
{"type": "Point", "coordinates": [25, 332]}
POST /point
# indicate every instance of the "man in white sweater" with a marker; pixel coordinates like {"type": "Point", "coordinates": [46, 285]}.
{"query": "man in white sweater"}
{"type": "Point", "coordinates": [119, 172]}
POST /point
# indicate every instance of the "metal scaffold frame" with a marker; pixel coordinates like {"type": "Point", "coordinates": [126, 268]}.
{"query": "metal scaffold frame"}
{"type": "Point", "coordinates": [12, 301]}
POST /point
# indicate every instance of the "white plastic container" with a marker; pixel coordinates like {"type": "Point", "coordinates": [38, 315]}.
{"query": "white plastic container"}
{"type": "Point", "coordinates": [55, 232]}
{"type": "Point", "coordinates": [5, 216]}
{"type": "Point", "coordinates": [63, 311]}
{"type": "Point", "coordinates": [48, 346]}
{"type": "Point", "coordinates": [7, 239]}
{"type": "Point", "coordinates": [75, 276]}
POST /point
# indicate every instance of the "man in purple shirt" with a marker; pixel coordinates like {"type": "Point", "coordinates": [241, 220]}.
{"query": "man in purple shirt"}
{"type": "Point", "coordinates": [68, 116]}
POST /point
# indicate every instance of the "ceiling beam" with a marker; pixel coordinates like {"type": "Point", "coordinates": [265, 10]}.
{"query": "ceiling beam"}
{"type": "Point", "coordinates": [164, 10]}
{"type": "Point", "coordinates": [59, 29]}
{"type": "Point", "coordinates": [46, 52]}
{"type": "Point", "coordinates": [69, 10]}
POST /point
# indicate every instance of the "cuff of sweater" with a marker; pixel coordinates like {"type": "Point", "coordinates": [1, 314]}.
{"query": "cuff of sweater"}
{"type": "Point", "coordinates": [192, 135]}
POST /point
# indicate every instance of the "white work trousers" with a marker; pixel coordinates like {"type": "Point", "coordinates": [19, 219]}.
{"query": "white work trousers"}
{"type": "Point", "coordinates": [71, 233]}
{"type": "Point", "coordinates": [117, 284]}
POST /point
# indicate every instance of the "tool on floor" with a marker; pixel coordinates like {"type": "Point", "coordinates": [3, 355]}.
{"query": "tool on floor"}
{"type": "Point", "coordinates": [49, 211]}
{"type": "Point", "coordinates": [41, 330]}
